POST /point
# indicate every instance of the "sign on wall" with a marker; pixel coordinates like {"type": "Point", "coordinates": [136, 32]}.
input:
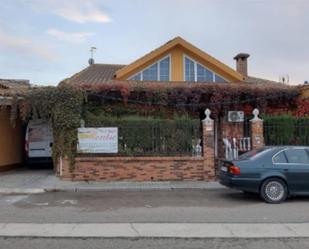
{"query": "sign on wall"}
{"type": "Point", "coordinates": [97, 140]}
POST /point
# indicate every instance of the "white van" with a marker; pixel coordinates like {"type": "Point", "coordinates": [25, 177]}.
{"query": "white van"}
{"type": "Point", "coordinates": [38, 142]}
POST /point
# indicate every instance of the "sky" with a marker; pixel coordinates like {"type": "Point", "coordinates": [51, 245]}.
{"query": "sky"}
{"type": "Point", "coordinates": [46, 41]}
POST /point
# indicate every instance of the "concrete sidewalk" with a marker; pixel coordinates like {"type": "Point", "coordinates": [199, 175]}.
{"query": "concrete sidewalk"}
{"type": "Point", "coordinates": [26, 181]}
{"type": "Point", "coordinates": [155, 230]}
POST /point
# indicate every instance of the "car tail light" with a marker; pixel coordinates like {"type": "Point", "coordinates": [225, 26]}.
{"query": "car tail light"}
{"type": "Point", "coordinates": [234, 170]}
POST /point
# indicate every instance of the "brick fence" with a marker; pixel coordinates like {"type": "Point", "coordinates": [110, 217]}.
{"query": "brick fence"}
{"type": "Point", "coordinates": [198, 168]}
{"type": "Point", "coordinates": [137, 169]}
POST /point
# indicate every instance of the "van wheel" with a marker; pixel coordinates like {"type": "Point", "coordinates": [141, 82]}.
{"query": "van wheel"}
{"type": "Point", "coordinates": [274, 190]}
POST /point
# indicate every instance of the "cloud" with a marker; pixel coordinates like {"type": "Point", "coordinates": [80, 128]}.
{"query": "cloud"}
{"type": "Point", "coordinates": [75, 37]}
{"type": "Point", "coordinates": [81, 11]}
{"type": "Point", "coordinates": [26, 46]}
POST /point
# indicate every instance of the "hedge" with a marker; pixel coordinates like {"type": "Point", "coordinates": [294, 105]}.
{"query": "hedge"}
{"type": "Point", "coordinates": [142, 136]}
{"type": "Point", "coordinates": [286, 130]}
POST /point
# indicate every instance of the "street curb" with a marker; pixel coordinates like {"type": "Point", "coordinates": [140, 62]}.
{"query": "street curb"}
{"type": "Point", "coordinates": [22, 191]}
{"type": "Point", "coordinates": [155, 230]}
{"type": "Point", "coordinates": [114, 187]}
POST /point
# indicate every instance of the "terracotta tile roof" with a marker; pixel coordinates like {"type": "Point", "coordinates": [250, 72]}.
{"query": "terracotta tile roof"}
{"type": "Point", "coordinates": [104, 74]}
{"type": "Point", "coordinates": [9, 87]}
{"type": "Point", "coordinates": [94, 74]}
{"type": "Point", "coordinates": [255, 80]}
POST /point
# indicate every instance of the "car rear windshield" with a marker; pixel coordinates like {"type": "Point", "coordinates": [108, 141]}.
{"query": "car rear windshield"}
{"type": "Point", "coordinates": [251, 154]}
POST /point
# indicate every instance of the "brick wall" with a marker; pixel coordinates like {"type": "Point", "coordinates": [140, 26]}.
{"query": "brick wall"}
{"type": "Point", "coordinates": [257, 134]}
{"type": "Point", "coordinates": [138, 169]}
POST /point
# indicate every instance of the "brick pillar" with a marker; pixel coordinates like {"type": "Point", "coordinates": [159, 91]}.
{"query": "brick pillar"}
{"type": "Point", "coordinates": [257, 136]}
{"type": "Point", "coordinates": [209, 146]}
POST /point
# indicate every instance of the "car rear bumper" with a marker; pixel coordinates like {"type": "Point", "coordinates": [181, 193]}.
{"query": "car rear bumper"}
{"type": "Point", "coordinates": [245, 184]}
{"type": "Point", "coordinates": [38, 160]}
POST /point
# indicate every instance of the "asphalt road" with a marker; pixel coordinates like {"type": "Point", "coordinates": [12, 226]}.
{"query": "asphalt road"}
{"type": "Point", "coordinates": [227, 206]}
{"type": "Point", "coordinates": [26, 243]}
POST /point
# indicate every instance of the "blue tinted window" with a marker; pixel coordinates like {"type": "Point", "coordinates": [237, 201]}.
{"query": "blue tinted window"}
{"type": "Point", "coordinates": [203, 74]}
{"type": "Point", "coordinates": [151, 73]}
{"type": "Point", "coordinates": [165, 69]}
{"type": "Point", "coordinates": [219, 79]}
{"type": "Point", "coordinates": [136, 77]}
{"type": "Point", "coordinates": [189, 70]}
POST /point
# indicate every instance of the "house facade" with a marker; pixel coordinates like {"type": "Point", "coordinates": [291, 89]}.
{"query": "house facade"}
{"type": "Point", "coordinates": [177, 63]}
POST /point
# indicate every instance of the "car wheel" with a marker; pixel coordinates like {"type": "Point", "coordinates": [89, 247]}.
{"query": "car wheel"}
{"type": "Point", "coordinates": [274, 191]}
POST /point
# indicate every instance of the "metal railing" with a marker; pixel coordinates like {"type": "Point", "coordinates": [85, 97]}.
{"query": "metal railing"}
{"type": "Point", "coordinates": [287, 133]}
{"type": "Point", "coordinates": [159, 140]}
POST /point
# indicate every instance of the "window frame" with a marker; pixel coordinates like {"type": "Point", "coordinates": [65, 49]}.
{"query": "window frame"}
{"type": "Point", "coordinates": [158, 71]}
{"type": "Point", "coordinates": [195, 70]}
{"type": "Point", "coordinates": [285, 149]}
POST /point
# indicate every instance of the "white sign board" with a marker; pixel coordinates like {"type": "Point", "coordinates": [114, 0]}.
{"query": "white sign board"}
{"type": "Point", "coordinates": [97, 140]}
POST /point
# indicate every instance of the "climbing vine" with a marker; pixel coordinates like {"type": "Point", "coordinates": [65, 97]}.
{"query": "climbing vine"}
{"type": "Point", "coordinates": [65, 106]}
{"type": "Point", "coordinates": [62, 107]}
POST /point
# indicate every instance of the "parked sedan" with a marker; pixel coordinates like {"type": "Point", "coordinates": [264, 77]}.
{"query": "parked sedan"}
{"type": "Point", "coordinates": [274, 173]}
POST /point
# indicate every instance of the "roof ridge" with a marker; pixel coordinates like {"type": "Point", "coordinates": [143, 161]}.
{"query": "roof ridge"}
{"type": "Point", "coordinates": [109, 64]}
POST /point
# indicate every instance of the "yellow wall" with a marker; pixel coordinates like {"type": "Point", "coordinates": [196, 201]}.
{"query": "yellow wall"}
{"type": "Point", "coordinates": [177, 67]}
{"type": "Point", "coordinates": [11, 141]}
{"type": "Point", "coordinates": [304, 91]}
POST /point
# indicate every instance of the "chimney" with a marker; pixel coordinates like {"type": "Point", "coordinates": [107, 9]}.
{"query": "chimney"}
{"type": "Point", "coordinates": [242, 64]}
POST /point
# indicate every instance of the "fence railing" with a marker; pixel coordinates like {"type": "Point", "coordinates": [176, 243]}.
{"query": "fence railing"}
{"type": "Point", "coordinates": [287, 132]}
{"type": "Point", "coordinates": [142, 136]}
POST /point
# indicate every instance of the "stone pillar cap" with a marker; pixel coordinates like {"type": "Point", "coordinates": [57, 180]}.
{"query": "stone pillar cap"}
{"type": "Point", "coordinates": [256, 113]}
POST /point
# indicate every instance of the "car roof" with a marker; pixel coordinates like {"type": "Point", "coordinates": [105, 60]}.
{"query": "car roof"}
{"type": "Point", "coordinates": [287, 147]}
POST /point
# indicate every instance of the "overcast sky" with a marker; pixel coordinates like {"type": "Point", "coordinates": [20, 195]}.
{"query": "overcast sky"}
{"type": "Point", "coordinates": [46, 41]}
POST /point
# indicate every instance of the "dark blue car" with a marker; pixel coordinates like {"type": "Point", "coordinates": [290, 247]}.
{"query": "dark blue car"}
{"type": "Point", "coordinates": [274, 173]}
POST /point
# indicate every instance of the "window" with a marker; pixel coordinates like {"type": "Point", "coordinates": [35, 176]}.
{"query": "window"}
{"type": "Point", "coordinates": [136, 77]}
{"type": "Point", "coordinates": [252, 154]}
{"type": "Point", "coordinates": [219, 79]}
{"type": "Point", "coordinates": [189, 70]}
{"type": "Point", "coordinates": [280, 158]}
{"type": "Point", "coordinates": [197, 72]}
{"type": "Point", "coordinates": [159, 71]}
{"type": "Point", "coordinates": [297, 156]}
{"type": "Point", "coordinates": [203, 74]}
{"type": "Point", "coordinates": [151, 73]}
{"type": "Point", "coordinates": [164, 66]}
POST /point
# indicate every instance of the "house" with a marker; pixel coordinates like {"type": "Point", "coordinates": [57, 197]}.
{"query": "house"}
{"type": "Point", "coordinates": [175, 61]}
{"type": "Point", "coordinates": [176, 68]}
{"type": "Point", "coordinates": [11, 134]}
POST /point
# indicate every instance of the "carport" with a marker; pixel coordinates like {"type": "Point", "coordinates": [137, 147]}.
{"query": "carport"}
{"type": "Point", "coordinates": [11, 133]}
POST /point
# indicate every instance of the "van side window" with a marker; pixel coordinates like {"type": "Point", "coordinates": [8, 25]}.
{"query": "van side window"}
{"type": "Point", "coordinates": [280, 158]}
{"type": "Point", "coordinates": [297, 156]}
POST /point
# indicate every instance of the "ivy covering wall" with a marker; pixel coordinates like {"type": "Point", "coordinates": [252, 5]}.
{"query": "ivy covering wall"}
{"type": "Point", "coordinates": [62, 107]}
{"type": "Point", "coordinates": [163, 110]}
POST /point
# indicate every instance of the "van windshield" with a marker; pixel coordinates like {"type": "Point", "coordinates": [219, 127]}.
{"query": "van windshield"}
{"type": "Point", "coordinates": [251, 154]}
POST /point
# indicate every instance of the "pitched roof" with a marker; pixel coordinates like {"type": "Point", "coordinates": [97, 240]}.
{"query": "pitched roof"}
{"type": "Point", "coordinates": [109, 73]}
{"type": "Point", "coordinates": [94, 74]}
{"type": "Point", "coordinates": [178, 41]}
{"type": "Point", "coordinates": [255, 80]}
{"type": "Point", "coordinates": [104, 73]}
{"type": "Point", "coordinates": [9, 87]}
